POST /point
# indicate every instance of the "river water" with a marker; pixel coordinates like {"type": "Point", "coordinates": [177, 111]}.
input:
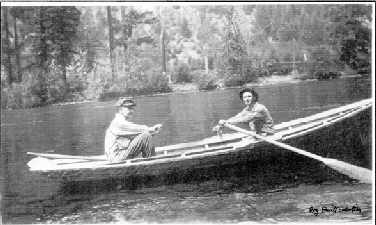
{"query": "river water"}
{"type": "Point", "coordinates": [239, 195]}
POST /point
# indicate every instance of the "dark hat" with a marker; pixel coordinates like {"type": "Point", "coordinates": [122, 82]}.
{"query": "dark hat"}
{"type": "Point", "coordinates": [125, 102]}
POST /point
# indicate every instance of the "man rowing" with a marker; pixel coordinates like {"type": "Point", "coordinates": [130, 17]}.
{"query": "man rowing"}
{"type": "Point", "coordinates": [126, 140]}
{"type": "Point", "coordinates": [256, 114]}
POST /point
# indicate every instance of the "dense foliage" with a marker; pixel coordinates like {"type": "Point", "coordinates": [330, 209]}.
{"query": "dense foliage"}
{"type": "Point", "coordinates": [64, 53]}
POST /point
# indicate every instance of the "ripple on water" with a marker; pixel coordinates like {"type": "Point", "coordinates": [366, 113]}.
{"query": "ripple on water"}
{"type": "Point", "coordinates": [288, 205]}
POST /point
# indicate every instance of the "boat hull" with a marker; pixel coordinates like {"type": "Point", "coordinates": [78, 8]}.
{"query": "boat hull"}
{"type": "Point", "coordinates": [253, 153]}
{"type": "Point", "coordinates": [349, 140]}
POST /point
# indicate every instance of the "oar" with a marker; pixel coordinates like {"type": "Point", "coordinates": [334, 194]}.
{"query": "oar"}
{"type": "Point", "coordinates": [58, 156]}
{"type": "Point", "coordinates": [362, 174]}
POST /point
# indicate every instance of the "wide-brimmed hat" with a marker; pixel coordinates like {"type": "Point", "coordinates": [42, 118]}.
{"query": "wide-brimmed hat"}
{"type": "Point", "coordinates": [125, 102]}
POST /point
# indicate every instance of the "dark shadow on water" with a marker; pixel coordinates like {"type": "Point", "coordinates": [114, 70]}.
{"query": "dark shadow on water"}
{"type": "Point", "coordinates": [263, 176]}
{"type": "Point", "coordinates": [289, 170]}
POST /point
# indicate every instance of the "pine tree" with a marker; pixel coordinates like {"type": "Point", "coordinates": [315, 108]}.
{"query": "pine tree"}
{"type": "Point", "coordinates": [352, 34]}
{"type": "Point", "coordinates": [234, 56]}
{"type": "Point", "coordinates": [52, 32]}
{"type": "Point", "coordinates": [63, 34]}
{"type": "Point", "coordinates": [185, 31]}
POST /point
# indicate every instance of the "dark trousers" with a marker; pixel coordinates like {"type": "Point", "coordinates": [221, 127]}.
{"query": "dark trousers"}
{"type": "Point", "coordinates": [141, 144]}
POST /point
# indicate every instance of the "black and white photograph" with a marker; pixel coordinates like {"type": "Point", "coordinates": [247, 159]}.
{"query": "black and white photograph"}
{"type": "Point", "coordinates": [187, 112]}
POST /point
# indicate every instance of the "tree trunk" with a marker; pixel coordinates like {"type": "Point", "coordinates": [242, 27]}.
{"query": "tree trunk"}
{"type": "Point", "coordinates": [293, 56]}
{"type": "Point", "coordinates": [162, 44]}
{"type": "Point", "coordinates": [43, 55]}
{"type": "Point", "coordinates": [64, 65]}
{"type": "Point", "coordinates": [206, 64]}
{"type": "Point", "coordinates": [111, 37]}
{"type": "Point", "coordinates": [64, 68]}
{"type": "Point", "coordinates": [8, 63]}
{"type": "Point", "coordinates": [125, 28]}
{"type": "Point", "coordinates": [17, 51]}
{"type": "Point", "coordinates": [163, 51]}
{"type": "Point", "coordinates": [127, 33]}
{"type": "Point", "coordinates": [42, 60]}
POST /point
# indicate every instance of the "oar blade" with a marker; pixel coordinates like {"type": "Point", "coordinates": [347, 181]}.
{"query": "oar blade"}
{"type": "Point", "coordinates": [361, 174]}
{"type": "Point", "coordinates": [41, 163]}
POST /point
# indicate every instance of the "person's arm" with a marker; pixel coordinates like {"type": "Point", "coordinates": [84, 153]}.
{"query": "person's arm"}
{"type": "Point", "coordinates": [155, 129]}
{"type": "Point", "coordinates": [247, 116]}
{"type": "Point", "coordinates": [127, 128]}
{"type": "Point", "coordinates": [217, 128]}
{"type": "Point", "coordinates": [239, 115]}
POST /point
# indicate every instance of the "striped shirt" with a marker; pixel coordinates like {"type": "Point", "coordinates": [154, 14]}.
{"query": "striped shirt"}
{"type": "Point", "coordinates": [120, 133]}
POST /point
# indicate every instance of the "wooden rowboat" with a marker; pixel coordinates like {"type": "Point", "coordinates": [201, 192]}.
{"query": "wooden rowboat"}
{"type": "Point", "coordinates": [321, 131]}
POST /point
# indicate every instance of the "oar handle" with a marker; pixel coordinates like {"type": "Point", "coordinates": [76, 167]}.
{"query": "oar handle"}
{"type": "Point", "coordinates": [282, 145]}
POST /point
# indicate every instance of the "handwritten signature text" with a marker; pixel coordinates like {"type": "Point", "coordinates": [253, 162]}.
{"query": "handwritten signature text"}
{"type": "Point", "coordinates": [335, 209]}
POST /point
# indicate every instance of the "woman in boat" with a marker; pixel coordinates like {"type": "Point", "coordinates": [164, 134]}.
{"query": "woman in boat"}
{"type": "Point", "coordinates": [256, 114]}
{"type": "Point", "coordinates": [126, 140]}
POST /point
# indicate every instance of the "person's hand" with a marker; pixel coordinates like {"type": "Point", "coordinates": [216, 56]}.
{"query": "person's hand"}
{"type": "Point", "coordinates": [222, 122]}
{"type": "Point", "coordinates": [217, 129]}
{"type": "Point", "coordinates": [157, 128]}
{"type": "Point", "coordinates": [219, 126]}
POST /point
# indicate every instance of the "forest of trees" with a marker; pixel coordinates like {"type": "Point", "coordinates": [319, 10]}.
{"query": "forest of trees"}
{"type": "Point", "coordinates": [62, 53]}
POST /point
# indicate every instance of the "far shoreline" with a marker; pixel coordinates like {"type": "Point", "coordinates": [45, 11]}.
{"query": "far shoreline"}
{"type": "Point", "coordinates": [180, 88]}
